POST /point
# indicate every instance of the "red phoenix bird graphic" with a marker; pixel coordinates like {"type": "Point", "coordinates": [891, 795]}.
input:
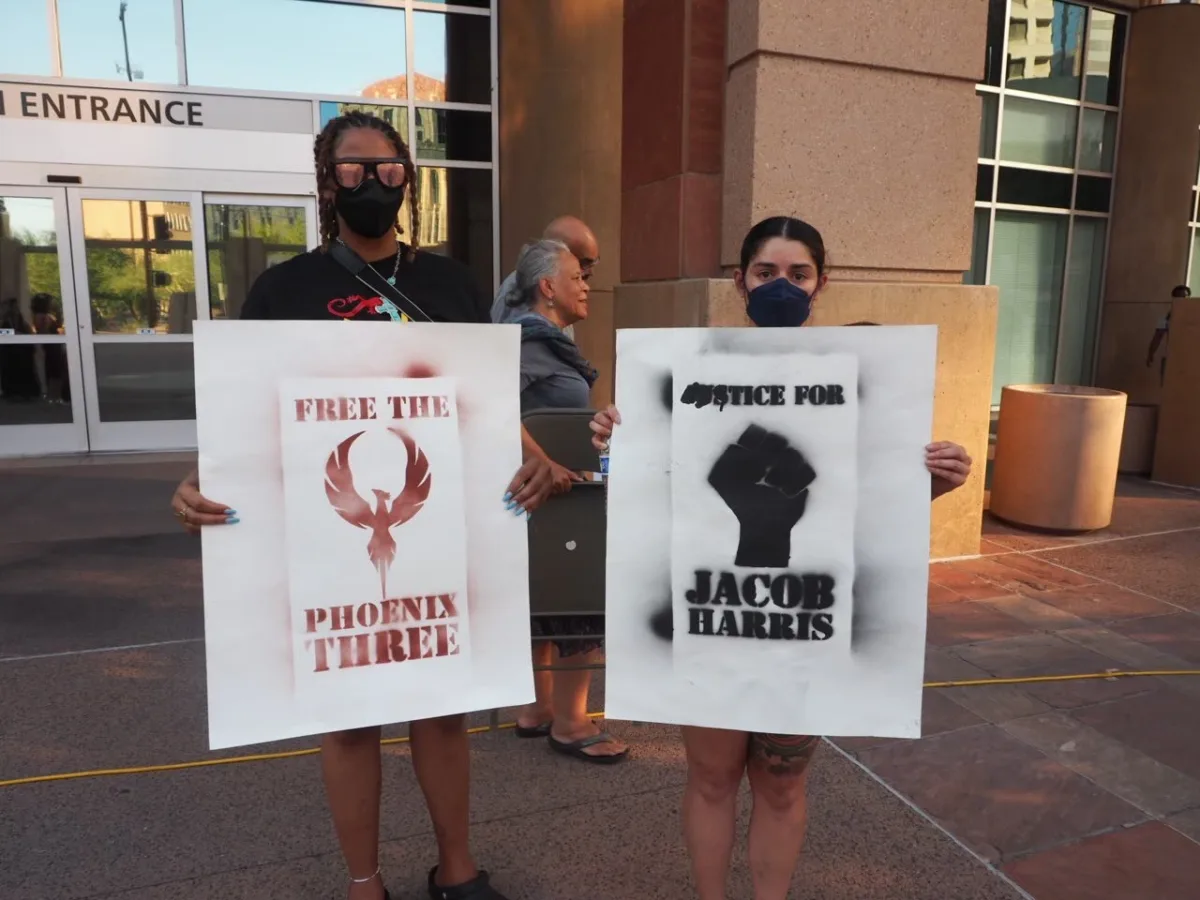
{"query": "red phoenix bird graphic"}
{"type": "Point", "coordinates": [387, 513]}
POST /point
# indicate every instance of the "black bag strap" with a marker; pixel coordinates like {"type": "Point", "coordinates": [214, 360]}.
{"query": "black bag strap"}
{"type": "Point", "coordinates": [356, 266]}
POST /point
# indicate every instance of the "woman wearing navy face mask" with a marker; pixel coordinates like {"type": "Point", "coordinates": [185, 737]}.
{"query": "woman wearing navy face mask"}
{"type": "Point", "coordinates": [781, 275]}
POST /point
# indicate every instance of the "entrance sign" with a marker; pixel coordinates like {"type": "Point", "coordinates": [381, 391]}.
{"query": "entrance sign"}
{"type": "Point", "coordinates": [374, 575]}
{"type": "Point", "coordinates": [72, 103]}
{"type": "Point", "coordinates": [768, 529]}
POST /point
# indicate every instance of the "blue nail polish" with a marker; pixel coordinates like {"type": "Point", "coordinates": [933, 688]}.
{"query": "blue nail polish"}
{"type": "Point", "coordinates": [520, 511]}
{"type": "Point", "coordinates": [232, 520]}
{"type": "Point", "coordinates": [510, 505]}
{"type": "Point", "coordinates": [231, 512]}
{"type": "Point", "coordinates": [507, 496]}
{"type": "Point", "coordinates": [528, 516]}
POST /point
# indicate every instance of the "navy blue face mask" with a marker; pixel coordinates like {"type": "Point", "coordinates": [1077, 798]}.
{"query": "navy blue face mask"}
{"type": "Point", "coordinates": [779, 304]}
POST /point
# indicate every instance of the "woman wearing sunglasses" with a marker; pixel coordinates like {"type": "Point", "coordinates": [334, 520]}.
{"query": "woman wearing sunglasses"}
{"type": "Point", "coordinates": [363, 171]}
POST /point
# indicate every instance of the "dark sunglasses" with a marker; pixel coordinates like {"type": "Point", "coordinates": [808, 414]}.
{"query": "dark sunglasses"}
{"type": "Point", "coordinates": [351, 173]}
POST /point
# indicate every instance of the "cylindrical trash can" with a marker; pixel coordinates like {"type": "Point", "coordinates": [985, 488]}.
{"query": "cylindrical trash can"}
{"type": "Point", "coordinates": [1057, 452]}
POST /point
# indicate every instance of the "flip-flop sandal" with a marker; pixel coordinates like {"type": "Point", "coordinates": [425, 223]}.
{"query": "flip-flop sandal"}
{"type": "Point", "coordinates": [536, 731]}
{"type": "Point", "coordinates": [578, 749]}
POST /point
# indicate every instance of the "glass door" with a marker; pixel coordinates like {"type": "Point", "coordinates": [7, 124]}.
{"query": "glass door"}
{"type": "Point", "coordinates": [137, 276]}
{"type": "Point", "coordinates": [41, 388]}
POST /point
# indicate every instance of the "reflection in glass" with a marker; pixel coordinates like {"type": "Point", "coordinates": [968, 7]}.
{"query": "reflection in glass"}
{"type": "Point", "coordinates": [25, 38]}
{"type": "Point", "coordinates": [1045, 43]}
{"type": "Point", "coordinates": [453, 58]}
{"type": "Point", "coordinates": [1038, 132]}
{"type": "Point", "coordinates": [140, 266]}
{"type": "Point", "coordinates": [985, 182]}
{"type": "Point", "coordinates": [987, 126]}
{"type": "Point", "coordinates": [1099, 140]}
{"type": "Point", "coordinates": [1194, 271]}
{"type": "Point", "coordinates": [454, 134]}
{"type": "Point", "coordinates": [456, 217]}
{"type": "Point", "coordinates": [1105, 54]}
{"type": "Point", "coordinates": [98, 41]}
{"type": "Point", "coordinates": [28, 261]}
{"type": "Point", "coordinates": [1082, 301]}
{"type": "Point", "coordinates": [979, 249]}
{"type": "Point", "coordinates": [396, 116]}
{"type": "Point", "coordinates": [1028, 257]}
{"type": "Point", "coordinates": [145, 382]}
{"type": "Point", "coordinates": [225, 47]}
{"type": "Point", "coordinates": [1093, 193]}
{"type": "Point", "coordinates": [243, 242]}
{"type": "Point", "coordinates": [993, 63]}
{"type": "Point", "coordinates": [34, 387]}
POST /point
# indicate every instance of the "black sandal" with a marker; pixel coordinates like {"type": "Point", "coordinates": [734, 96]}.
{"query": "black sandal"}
{"type": "Point", "coordinates": [578, 749]}
{"type": "Point", "coordinates": [536, 731]}
{"type": "Point", "coordinates": [477, 888]}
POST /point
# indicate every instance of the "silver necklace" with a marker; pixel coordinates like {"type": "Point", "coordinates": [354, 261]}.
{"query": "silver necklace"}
{"type": "Point", "coordinates": [395, 266]}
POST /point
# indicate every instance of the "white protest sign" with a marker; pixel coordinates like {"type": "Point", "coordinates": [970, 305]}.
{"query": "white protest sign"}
{"type": "Point", "coordinates": [768, 529]}
{"type": "Point", "coordinates": [375, 575]}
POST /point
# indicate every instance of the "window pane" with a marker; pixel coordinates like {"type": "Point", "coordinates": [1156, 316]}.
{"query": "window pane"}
{"type": "Point", "coordinates": [243, 242]}
{"type": "Point", "coordinates": [1084, 272]}
{"type": "Point", "coordinates": [34, 387]}
{"type": "Point", "coordinates": [1093, 194]}
{"type": "Point", "coordinates": [396, 116]}
{"type": "Point", "coordinates": [985, 177]}
{"type": "Point", "coordinates": [994, 56]}
{"type": "Point", "coordinates": [1194, 273]}
{"type": "Point", "coordinates": [454, 134]}
{"type": "Point", "coordinates": [475, 4]}
{"type": "Point", "coordinates": [456, 217]}
{"type": "Point", "coordinates": [453, 58]}
{"type": "Point", "coordinates": [979, 248]}
{"type": "Point", "coordinates": [98, 42]}
{"type": "Point", "coordinates": [1039, 133]}
{"type": "Point", "coordinates": [987, 127]}
{"type": "Point", "coordinates": [29, 254]}
{"type": "Point", "coordinates": [1033, 187]}
{"type": "Point", "coordinates": [145, 382]}
{"type": "Point", "coordinates": [140, 267]}
{"type": "Point", "coordinates": [25, 37]}
{"type": "Point", "coordinates": [1105, 57]}
{"type": "Point", "coordinates": [1028, 256]}
{"type": "Point", "coordinates": [315, 61]}
{"type": "Point", "coordinates": [1045, 41]}
{"type": "Point", "coordinates": [1099, 140]}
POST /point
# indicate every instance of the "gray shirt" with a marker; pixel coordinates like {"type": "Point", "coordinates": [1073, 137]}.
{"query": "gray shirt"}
{"type": "Point", "coordinates": [548, 382]}
{"type": "Point", "coordinates": [502, 313]}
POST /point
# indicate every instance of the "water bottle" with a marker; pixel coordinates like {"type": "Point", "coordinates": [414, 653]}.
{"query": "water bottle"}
{"type": "Point", "coordinates": [604, 464]}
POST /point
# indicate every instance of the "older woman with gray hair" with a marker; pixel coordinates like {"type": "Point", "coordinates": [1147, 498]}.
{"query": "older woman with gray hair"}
{"type": "Point", "coordinates": [551, 295]}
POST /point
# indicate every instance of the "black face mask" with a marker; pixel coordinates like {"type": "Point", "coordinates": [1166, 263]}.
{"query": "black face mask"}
{"type": "Point", "coordinates": [369, 210]}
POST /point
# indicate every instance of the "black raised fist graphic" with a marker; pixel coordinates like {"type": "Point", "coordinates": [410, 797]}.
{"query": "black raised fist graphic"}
{"type": "Point", "coordinates": [764, 481]}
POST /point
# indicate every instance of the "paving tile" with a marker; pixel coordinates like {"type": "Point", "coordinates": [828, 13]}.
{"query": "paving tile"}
{"type": "Point", "coordinates": [1187, 823]}
{"type": "Point", "coordinates": [993, 703]}
{"type": "Point", "coordinates": [1048, 654]}
{"type": "Point", "coordinates": [939, 714]}
{"type": "Point", "coordinates": [969, 586]}
{"type": "Point", "coordinates": [999, 795]}
{"type": "Point", "coordinates": [1032, 573]}
{"type": "Point", "coordinates": [1178, 634]}
{"type": "Point", "coordinates": [1105, 603]}
{"type": "Point", "coordinates": [991, 548]}
{"type": "Point", "coordinates": [1134, 777]}
{"type": "Point", "coordinates": [1035, 613]}
{"type": "Point", "coordinates": [965, 623]}
{"type": "Point", "coordinates": [1163, 566]}
{"type": "Point", "coordinates": [941, 594]}
{"type": "Point", "coordinates": [1134, 656]}
{"type": "Point", "coordinates": [1161, 724]}
{"type": "Point", "coordinates": [1150, 862]}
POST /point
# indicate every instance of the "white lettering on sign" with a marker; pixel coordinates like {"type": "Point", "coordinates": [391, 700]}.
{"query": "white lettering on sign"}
{"type": "Point", "coordinates": [58, 103]}
{"type": "Point", "coordinates": [147, 331]}
{"type": "Point", "coordinates": [5, 332]}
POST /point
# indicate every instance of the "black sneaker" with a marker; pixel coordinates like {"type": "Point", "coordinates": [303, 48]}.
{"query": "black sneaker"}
{"type": "Point", "coordinates": [477, 888]}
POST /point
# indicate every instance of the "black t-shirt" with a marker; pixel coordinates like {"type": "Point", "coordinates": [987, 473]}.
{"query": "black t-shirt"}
{"type": "Point", "coordinates": [315, 286]}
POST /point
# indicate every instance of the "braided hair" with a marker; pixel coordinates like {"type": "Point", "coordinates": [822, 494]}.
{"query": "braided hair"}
{"type": "Point", "coordinates": [323, 150]}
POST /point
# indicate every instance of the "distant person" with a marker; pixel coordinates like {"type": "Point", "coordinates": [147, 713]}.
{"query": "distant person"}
{"type": "Point", "coordinates": [1162, 332]}
{"type": "Point", "coordinates": [582, 243]}
{"type": "Point", "coordinates": [18, 367]}
{"type": "Point", "coordinates": [46, 321]}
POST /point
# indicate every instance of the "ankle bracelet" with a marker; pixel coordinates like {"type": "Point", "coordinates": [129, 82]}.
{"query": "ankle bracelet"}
{"type": "Point", "coordinates": [370, 877]}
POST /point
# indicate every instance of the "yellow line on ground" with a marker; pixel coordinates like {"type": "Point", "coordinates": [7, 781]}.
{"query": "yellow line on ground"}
{"type": "Point", "coordinates": [311, 751]}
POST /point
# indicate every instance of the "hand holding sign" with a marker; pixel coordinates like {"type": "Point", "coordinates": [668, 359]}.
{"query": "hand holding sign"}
{"type": "Point", "coordinates": [764, 482]}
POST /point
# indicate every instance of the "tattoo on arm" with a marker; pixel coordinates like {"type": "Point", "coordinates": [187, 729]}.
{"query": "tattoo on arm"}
{"type": "Point", "coordinates": [783, 754]}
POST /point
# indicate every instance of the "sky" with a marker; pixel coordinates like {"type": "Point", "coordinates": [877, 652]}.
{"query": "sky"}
{"type": "Point", "coordinates": [271, 45]}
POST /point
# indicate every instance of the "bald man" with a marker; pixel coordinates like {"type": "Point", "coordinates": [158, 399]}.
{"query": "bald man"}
{"type": "Point", "coordinates": [579, 239]}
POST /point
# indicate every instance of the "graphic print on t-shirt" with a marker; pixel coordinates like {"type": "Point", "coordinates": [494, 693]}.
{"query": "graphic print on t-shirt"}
{"type": "Point", "coordinates": [355, 305]}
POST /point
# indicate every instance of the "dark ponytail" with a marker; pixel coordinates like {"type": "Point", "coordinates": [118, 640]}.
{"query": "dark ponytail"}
{"type": "Point", "coordinates": [785, 227]}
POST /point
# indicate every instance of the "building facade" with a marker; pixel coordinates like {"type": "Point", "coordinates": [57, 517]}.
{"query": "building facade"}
{"type": "Point", "coordinates": [154, 159]}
